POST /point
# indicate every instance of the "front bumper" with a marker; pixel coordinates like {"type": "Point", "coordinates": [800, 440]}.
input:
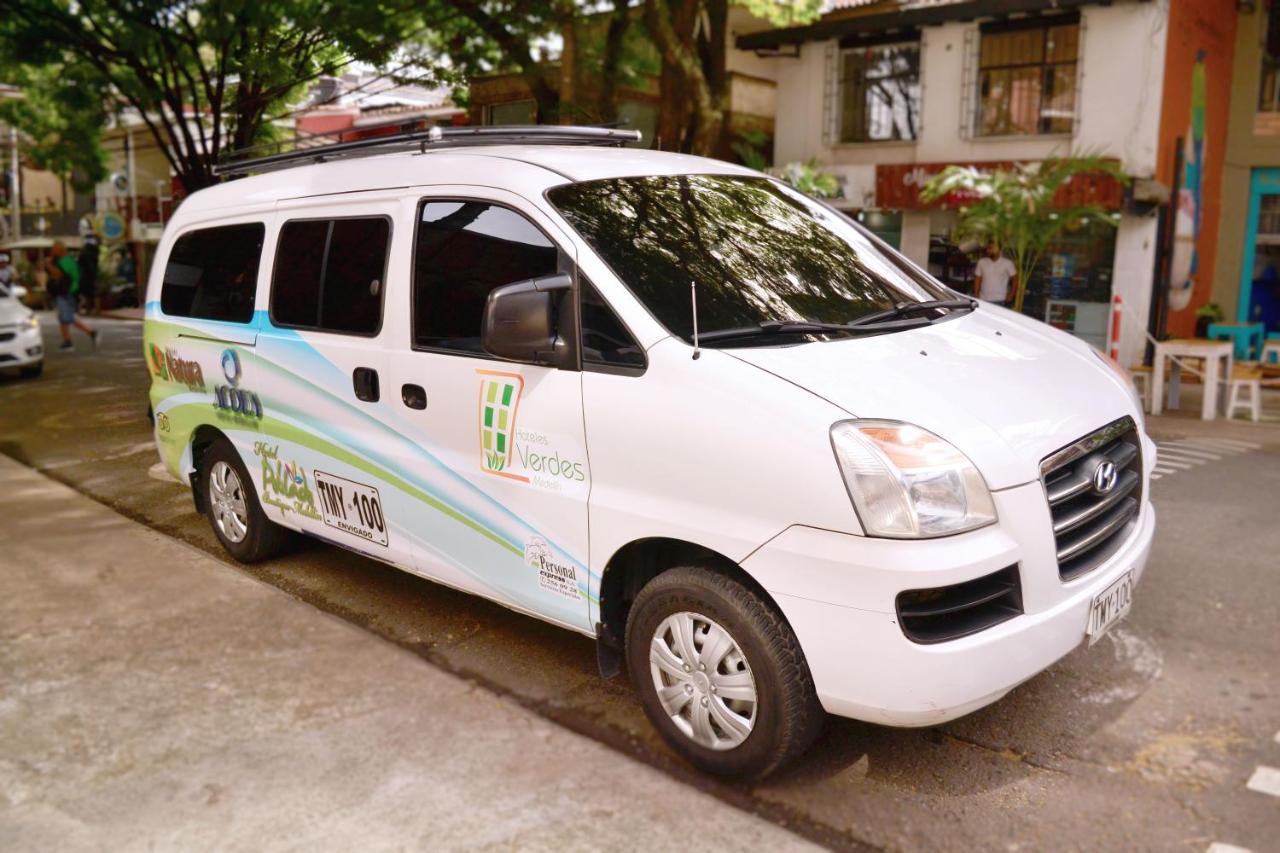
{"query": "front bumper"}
{"type": "Point", "coordinates": [837, 591]}
{"type": "Point", "coordinates": [23, 349]}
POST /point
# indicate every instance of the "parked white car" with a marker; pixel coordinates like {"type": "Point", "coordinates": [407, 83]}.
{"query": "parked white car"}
{"type": "Point", "coordinates": [20, 344]}
{"type": "Point", "coordinates": [664, 401]}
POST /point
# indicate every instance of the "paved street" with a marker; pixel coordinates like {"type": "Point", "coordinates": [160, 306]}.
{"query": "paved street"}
{"type": "Point", "coordinates": [1146, 741]}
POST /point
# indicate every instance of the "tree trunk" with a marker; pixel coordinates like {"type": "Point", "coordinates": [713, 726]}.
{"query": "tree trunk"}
{"type": "Point", "coordinates": [569, 70]}
{"type": "Point", "coordinates": [614, 42]}
{"type": "Point", "coordinates": [692, 110]}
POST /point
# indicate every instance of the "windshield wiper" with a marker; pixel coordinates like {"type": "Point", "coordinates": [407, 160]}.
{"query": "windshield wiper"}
{"type": "Point", "coordinates": [802, 327]}
{"type": "Point", "coordinates": [906, 309]}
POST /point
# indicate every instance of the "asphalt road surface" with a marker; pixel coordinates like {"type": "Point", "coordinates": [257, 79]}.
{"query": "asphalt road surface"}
{"type": "Point", "coordinates": [1148, 740]}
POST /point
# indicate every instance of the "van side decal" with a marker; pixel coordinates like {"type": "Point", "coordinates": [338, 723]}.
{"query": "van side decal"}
{"type": "Point", "coordinates": [302, 412]}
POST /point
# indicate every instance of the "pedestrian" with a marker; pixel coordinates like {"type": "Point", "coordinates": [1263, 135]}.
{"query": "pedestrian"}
{"type": "Point", "coordinates": [996, 277]}
{"type": "Point", "coordinates": [8, 278]}
{"type": "Point", "coordinates": [128, 272]}
{"type": "Point", "coordinates": [88, 262]}
{"type": "Point", "coordinates": [64, 287]}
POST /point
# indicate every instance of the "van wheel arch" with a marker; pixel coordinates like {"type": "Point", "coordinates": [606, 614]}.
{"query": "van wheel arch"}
{"type": "Point", "coordinates": [201, 440]}
{"type": "Point", "coordinates": [634, 565]}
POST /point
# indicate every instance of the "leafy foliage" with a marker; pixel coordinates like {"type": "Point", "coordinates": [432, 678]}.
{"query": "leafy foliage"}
{"type": "Point", "coordinates": [1014, 208]}
{"type": "Point", "coordinates": [806, 178]}
{"type": "Point", "coordinates": [62, 112]}
{"type": "Point", "coordinates": [750, 147]}
{"type": "Point", "coordinates": [204, 75]}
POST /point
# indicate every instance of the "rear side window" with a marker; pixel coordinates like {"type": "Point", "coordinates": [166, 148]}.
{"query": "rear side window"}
{"type": "Point", "coordinates": [464, 250]}
{"type": "Point", "coordinates": [329, 274]}
{"type": "Point", "coordinates": [212, 273]}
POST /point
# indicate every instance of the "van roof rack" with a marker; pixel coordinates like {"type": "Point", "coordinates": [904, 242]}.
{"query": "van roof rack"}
{"type": "Point", "coordinates": [425, 140]}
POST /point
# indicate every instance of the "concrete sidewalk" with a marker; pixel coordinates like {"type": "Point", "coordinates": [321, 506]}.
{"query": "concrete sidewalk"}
{"type": "Point", "coordinates": [152, 697]}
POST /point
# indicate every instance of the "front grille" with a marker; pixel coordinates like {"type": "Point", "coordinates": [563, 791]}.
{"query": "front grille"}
{"type": "Point", "coordinates": [1090, 523]}
{"type": "Point", "coordinates": [951, 612]}
{"type": "Point", "coordinates": [7, 336]}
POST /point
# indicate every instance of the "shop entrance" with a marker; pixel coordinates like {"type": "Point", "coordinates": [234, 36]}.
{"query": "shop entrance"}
{"type": "Point", "coordinates": [1260, 272]}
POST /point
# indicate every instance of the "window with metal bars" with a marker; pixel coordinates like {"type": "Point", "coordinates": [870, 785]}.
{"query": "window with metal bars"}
{"type": "Point", "coordinates": [1027, 77]}
{"type": "Point", "coordinates": [879, 92]}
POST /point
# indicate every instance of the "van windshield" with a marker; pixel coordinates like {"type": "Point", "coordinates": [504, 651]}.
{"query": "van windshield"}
{"type": "Point", "coordinates": [760, 254]}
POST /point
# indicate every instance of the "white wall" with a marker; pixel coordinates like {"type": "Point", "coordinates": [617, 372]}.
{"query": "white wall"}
{"type": "Point", "coordinates": [1118, 111]}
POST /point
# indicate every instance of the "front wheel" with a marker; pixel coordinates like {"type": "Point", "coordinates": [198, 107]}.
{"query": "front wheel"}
{"type": "Point", "coordinates": [31, 371]}
{"type": "Point", "coordinates": [720, 673]}
{"type": "Point", "coordinates": [232, 507]}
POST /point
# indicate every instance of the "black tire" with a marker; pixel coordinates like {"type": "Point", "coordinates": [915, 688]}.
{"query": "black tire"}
{"type": "Point", "coordinates": [788, 716]}
{"type": "Point", "coordinates": [31, 371]}
{"type": "Point", "coordinates": [263, 538]}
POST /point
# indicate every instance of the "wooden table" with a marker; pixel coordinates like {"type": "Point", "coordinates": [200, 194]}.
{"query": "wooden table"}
{"type": "Point", "coordinates": [1213, 353]}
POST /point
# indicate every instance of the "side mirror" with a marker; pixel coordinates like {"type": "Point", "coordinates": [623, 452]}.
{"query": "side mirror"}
{"type": "Point", "coordinates": [520, 320]}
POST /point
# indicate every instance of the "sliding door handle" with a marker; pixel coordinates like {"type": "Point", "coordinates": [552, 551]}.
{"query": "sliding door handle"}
{"type": "Point", "coordinates": [364, 380]}
{"type": "Point", "coordinates": [414, 396]}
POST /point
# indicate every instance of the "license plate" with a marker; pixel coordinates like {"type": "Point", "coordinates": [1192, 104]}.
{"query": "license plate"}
{"type": "Point", "coordinates": [351, 507]}
{"type": "Point", "coordinates": [1109, 607]}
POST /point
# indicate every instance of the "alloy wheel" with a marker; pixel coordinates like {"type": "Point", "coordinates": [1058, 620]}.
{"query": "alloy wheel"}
{"type": "Point", "coordinates": [226, 498]}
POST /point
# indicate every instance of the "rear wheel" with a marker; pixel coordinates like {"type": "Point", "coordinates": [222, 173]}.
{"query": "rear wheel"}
{"type": "Point", "coordinates": [232, 507]}
{"type": "Point", "coordinates": [720, 673]}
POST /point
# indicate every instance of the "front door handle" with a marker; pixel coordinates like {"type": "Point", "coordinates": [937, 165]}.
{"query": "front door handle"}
{"type": "Point", "coordinates": [365, 382]}
{"type": "Point", "coordinates": [414, 396]}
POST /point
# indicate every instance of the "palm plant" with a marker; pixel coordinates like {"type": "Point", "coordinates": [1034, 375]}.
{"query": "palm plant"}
{"type": "Point", "coordinates": [1014, 207]}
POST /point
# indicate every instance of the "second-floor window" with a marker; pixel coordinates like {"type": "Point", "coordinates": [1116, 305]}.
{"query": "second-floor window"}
{"type": "Point", "coordinates": [1027, 78]}
{"type": "Point", "coordinates": [1269, 90]}
{"type": "Point", "coordinates": [880, 92]}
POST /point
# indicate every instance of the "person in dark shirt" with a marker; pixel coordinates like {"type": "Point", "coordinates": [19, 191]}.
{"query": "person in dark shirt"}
{"type": "Point", "coordinates": [88, 262]}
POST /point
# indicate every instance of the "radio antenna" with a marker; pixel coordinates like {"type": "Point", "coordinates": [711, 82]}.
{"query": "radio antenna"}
{"type": "Point", "coordinates": [693, 296]}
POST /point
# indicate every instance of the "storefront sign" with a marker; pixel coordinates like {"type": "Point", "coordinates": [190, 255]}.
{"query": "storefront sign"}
{"type": "Point", "coordinates": [898, 187]}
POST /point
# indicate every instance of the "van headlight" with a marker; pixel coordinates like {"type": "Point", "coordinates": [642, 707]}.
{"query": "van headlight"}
{"type": "Point", "coordinates": [33, 323]}
{"type": "Point", "coordinates": [906, 483]}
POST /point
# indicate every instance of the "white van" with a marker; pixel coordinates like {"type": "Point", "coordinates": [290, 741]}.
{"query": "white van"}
{"type": "Point", "coordinates": [664, 401]}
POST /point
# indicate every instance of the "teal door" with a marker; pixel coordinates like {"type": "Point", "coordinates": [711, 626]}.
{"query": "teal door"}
{"type": "Point", "coordinates": [1260, 269]}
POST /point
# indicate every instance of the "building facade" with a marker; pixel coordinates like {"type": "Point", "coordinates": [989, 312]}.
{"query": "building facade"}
{"type": "Point", "coordinates": [1245, 279]}
{"type": "Point", "coordinates": [886, 94]}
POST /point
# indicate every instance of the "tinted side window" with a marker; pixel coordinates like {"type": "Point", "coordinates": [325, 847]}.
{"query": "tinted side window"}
{"type": "Point", "coordinates": [212, 273]}
{"type": "Point", "coordinates": [464, 250]}
{"type": "Point", "coordinates": [329, 274]}
{"type": "Point", "coordinates": [604, 339]}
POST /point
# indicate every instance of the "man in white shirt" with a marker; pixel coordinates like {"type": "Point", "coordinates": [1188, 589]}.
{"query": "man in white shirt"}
{"type": "Point", "coordinates": [996, 277]}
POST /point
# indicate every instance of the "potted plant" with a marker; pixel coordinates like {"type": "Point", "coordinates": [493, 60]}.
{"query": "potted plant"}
{"type": "Point", "coordinates": [1206, 315]}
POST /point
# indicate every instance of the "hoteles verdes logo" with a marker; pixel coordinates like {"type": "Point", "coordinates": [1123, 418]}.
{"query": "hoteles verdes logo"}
{"type": "Point", "coordinates": [499, 403]}
{"type": "Point", "coordinates": [528, 456]}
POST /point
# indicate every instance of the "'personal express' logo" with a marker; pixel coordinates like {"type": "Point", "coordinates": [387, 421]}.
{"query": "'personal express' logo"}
{"type": "Point", "coordinates": [499, 401]}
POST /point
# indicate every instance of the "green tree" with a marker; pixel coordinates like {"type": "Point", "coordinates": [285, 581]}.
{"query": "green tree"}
{"type": "Point", "coordinates": [1014, 208]}
{"type": "Point", "coordinates": [204, 75]}
{"type": "Point", "coordinates": [61, 112]}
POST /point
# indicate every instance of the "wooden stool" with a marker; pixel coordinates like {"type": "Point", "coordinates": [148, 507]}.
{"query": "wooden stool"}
{"type": "Point", "coordinates": [1141, 374]}
{"type": "Point", "coordinates": [1271, 351]}
{"type": "Point", "coordinates": [1250, 379]}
